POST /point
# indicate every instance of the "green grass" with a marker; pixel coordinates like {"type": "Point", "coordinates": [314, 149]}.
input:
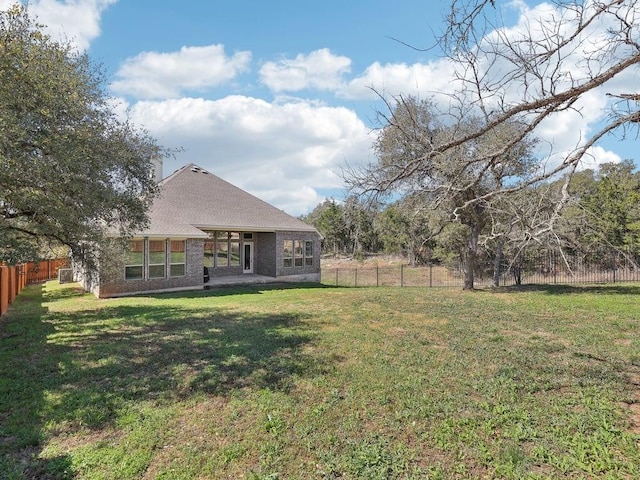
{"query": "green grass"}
{"type": "Point", "coordinates": [324, 383]}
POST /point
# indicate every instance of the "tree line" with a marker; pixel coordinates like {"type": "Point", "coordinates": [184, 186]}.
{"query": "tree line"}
{"type": "Point", "coordinates": [601, 214]}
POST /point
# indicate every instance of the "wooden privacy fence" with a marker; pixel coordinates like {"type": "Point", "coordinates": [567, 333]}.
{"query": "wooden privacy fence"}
{"type": "Point", "coordinates": [45, 269]}
{"type": "Point", "coordinates": [13, 279]}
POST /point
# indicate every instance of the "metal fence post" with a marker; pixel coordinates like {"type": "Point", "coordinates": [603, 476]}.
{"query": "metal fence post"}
{"type": "Point", "coordinates": [402, 274]}
{"type": "Point", "coordinates": [430, 275]}
{"type": "Point", "coordinates": [377, 275]}
{"type": "Point", "coordinates": [355, 280]}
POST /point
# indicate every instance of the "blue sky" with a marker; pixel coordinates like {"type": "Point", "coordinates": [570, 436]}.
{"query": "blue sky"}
{"type": "Point", "coordinates": [274, 97]}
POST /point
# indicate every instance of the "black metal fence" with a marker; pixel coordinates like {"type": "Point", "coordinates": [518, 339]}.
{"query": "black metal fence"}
{"type": "Point", "coordinates": [534, 269]}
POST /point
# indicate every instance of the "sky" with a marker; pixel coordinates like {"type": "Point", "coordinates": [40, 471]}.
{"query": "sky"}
{"type": "Point", "coordinates": [278, 98]}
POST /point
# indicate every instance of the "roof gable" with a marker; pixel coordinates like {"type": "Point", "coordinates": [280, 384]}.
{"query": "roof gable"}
{"type": "Point", "coordinates": [192, 199]}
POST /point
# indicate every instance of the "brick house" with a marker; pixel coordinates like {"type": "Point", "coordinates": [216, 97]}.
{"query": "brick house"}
{"type": "Point", "coordinates": [203, 231]}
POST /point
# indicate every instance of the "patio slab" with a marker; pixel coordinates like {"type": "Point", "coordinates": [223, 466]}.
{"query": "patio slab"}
{"type": "Point", "coordinates": [230, 281]}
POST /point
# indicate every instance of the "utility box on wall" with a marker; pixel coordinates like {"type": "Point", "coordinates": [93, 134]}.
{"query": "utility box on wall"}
{"type": "Point", "coordinates": [65, 275]}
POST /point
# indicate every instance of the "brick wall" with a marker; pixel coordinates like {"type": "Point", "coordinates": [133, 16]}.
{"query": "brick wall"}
{"type": "Point", "coordinates": [265, 252]}
{"type": "Point", "coordinates": [113, 283]}
{"type": "Point", "coordinates": [268, 261]}
{"type": "Point", "coordinates": [307, 272]}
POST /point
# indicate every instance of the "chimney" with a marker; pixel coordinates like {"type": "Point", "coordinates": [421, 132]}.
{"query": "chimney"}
{"type": "Point", "coordinates": [157, 169]}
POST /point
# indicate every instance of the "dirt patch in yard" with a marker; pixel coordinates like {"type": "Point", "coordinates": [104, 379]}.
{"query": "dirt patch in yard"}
{"type": "Point", "coordinates": [367, 261]}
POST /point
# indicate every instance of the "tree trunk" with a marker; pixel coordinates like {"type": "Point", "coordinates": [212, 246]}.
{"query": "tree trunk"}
{"type": "Point", "coordinates": [411, 251]}
{"type": "Point", "coordinates": [471, 256]}
{"type": "Point", "coordinates": [496, 265]}
{"type": "Point", "coordinates": [517, 274]}
{"type": "Point", "coordinates": [470, 266]}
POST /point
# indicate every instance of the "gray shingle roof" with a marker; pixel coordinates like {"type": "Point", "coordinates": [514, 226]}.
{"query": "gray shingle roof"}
{"type": "Point", "coordinates": [192, 199]}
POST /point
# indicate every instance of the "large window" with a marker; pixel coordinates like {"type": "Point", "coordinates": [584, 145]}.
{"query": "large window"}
{"type": "Point", "coordinates": [157, 258]}
{"type": "Point", "coordinates": [223, 250]}
{"type": "Point", "coordinates": [148, 259]}
{"type": "Point", "coordinates": [178, 258]}
{"type": "Point", "coordinates": [134, 260]}
{"type": "Point", "coordinates": [297, 253]}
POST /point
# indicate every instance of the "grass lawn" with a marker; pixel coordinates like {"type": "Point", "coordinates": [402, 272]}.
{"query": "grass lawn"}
{"type": "Point", "coordinates": [322, 383]}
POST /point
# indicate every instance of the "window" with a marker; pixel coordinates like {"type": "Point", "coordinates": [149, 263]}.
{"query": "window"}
{"type": "Point", "coordinates": [134, 260]}
{"type": "Point", "coordinates": [234, 249]}
{"type": "Point", "coordinates": [222, 249]}
{"type": "Point", "coordinates": [297, 253]}
{"type": "Point", "coordinates": [308, 254]}
{"type": "Point", "coordinates": [178, 258]}
{"type": "Point", "coordinates": [209, 254]}
{"type": "Point", "coordinates": [157, 258]}
{"type": "Point", "coordinates": [287, 253]}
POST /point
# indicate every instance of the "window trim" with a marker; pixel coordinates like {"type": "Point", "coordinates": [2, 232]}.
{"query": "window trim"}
{"type": "Point", "coordinates": [298, 253]}
{"type": "Point", "coordinates": [308, 258]}
{"type": "Point", "coordinates": [164, 259]}
{"type": "Point", "coordinates": [135, 265]}
{"type": "Point", "coordinates": [174, 264]}
{"type": "Point", "coordinates": [287, 258]}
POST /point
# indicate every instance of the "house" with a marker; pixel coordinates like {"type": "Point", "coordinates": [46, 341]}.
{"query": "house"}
{"type": "Point", "coordinates": [204, 231]}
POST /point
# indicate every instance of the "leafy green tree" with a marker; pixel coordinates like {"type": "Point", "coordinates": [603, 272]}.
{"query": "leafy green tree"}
{"type": "Point", "coordinates": [392, 226]}
{"type": "Point", "coordinates": [408, 227]}
{"type": "Point", "coordinates": [359, 218]}
{"type": "Point", "coordinates": [70, 169]}
{"type": "Point", "coordinates": [604, 210]}
{"type": "Point", "coordinates": [614, 206]}
{"type": "Point", "coordinates": [328, 218]}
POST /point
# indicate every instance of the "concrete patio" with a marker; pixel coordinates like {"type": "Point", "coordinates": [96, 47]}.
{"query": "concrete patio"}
{"type": "Point", "coordinates": [248, 279]}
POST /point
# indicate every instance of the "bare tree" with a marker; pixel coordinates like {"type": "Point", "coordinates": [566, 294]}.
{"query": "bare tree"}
{"type": "Point", "coordinates": [547, 67]}
{"type": "Point", "coordinates": [511, 82]}
{"type": "Point", "coordinates": [459, 180]}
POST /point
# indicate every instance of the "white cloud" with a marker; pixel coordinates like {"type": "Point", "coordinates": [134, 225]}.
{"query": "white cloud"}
{"type": "Point", "coordinates": [77, 21]}
{"type": "Point", "coordinates": [399, 78]}
{"type": "Point", "coordinates": [285, 153]}
{"type": "Point", "coordinates": [320, 69]}
{"type": "Point", "coordinates": [568, 129]}
{"type": "Point", "coordinates": [597, 156]}
{"type": "Point", "coordinates": [167, 75]}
